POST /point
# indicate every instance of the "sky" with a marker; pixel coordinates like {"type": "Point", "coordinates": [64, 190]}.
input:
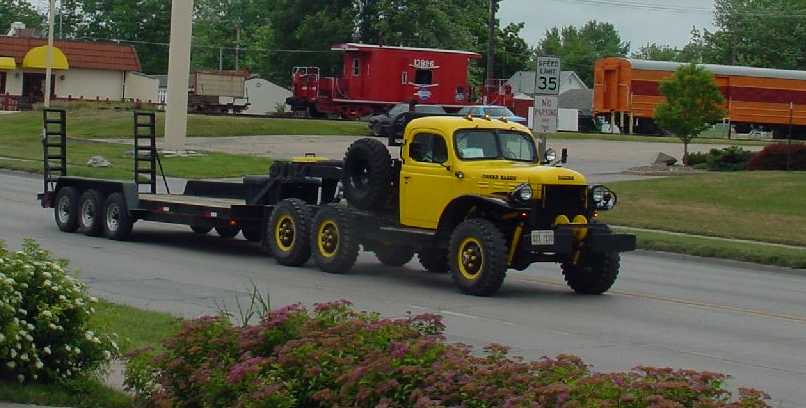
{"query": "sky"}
{"type": "Point", "coordinates": [638, 21]}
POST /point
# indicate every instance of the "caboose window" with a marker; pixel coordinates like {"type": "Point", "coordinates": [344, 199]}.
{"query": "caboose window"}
{"type": "Point", "coordinates": [423, 77]}
{"type": "Point", "coordinates": [404, 78]}
{"type": "Point", "coordinates": [356, 66]}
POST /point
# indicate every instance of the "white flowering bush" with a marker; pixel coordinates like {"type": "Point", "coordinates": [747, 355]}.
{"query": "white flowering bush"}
{"type": "Point", "coordinates": [44, 315]}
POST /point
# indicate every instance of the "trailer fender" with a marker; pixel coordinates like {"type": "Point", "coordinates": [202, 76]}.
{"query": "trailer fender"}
{"type": "Point", "coordinates": [107, 187]}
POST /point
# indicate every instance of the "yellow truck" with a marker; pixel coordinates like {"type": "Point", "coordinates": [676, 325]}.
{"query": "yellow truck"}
{"type": "Point", "coordinates": [469, 196]}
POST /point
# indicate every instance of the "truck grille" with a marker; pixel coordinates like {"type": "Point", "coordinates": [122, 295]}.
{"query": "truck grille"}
{"type": "Point", "coordinates": [560, 200]}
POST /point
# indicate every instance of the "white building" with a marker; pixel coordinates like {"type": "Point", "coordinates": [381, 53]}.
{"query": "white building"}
{"type": "Point", "coordinates": [523, 82]}
{"type": "Point", "coordinates": [81, 70]}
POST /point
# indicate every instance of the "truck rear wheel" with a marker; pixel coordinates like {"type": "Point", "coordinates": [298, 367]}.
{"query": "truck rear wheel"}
{"type": "Point", "coordinates": [287, 233]}
{"type": "Point", "coordinates": [477, 256]}
{"type": "Point", "coordinates": [117, 222]}
{"type": "Point", "coordinates": [91, 209]}
{"type": "Point", "coordinates": [334, 245]}
{"type": "Point", "coordinates": [367, 175]}
{"type": "Point", "coordinates": [595, 276]}
{"type": "Point", "coordinates": [393, 255]}
{"type": "Point", "coordinates": [434, 260]}
{"type": "Point", "coordinates": [66, 209]}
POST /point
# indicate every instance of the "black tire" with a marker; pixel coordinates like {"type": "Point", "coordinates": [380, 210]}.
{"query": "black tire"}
{"type": "Point", "coordinates": [117, 221]}
{"type": "Point", "coordinates": [367, 175]}
{"type": "Point", "coordinates": [90, 210]}
{"type": "Point", "coordinates": [595, 276]}
{"type": "Point", "coordinates": [252, 232]}
{"type": "Point", "coordinates": [394, 256]}
{"type": "Point", "coordinates": [227, 232]}
{"type": "Point", "coordinates": [201, 229]}
{"type": "Point", "coordinates": [65, 209]}
{"type": "Point", "coordinates": [478, 257]}
{"type": "Point", "coordinates": [333, 241]}
{"type": "Point", "coordinates": [288, 231]}
{"type": "Point", "coordinates": [434, 260]}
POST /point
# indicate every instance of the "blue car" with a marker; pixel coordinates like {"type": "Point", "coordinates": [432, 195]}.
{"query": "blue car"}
{"type": "Point", "coordinates": [495, 112]}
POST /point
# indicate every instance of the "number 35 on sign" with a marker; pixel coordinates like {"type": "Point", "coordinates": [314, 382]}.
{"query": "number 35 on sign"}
{"type": "Point", "coordinates": [547, 81]}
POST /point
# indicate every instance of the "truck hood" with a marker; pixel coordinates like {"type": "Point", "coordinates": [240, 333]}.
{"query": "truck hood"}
{"type": "Point", "coordinates": [503, 176]}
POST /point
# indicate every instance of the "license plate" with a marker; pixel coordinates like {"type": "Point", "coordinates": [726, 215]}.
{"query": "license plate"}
{"type": "Point", "coordinates": [543, 238]}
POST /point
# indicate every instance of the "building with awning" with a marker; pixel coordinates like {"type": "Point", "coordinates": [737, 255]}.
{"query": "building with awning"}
{"type": "Point", "coordinates": [81, 70]}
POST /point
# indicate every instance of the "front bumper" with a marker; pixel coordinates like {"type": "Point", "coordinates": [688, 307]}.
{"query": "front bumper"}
{"type": "Point", "coordinates": [597, 239]}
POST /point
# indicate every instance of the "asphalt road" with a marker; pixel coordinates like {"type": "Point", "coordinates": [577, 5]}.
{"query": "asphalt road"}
{"type": "Point", "coordinates": [744, 320]}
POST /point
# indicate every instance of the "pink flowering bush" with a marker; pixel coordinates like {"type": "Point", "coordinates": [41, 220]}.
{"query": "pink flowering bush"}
{"type": "Point", "coordinates": [335, 356]}
{"type": "Point", "coordinates": [44, 317]}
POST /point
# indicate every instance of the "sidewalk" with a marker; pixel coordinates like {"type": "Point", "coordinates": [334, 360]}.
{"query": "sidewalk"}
{"type": "Point", "coordinates": [738, 241]}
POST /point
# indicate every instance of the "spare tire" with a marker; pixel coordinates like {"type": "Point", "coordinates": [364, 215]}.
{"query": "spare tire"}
{"type": "Point", "coordinates": [367, 177]}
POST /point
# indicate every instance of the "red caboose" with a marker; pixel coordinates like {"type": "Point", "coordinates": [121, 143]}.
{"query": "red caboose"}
{"type": "Point", "coordinates": [375, 77]}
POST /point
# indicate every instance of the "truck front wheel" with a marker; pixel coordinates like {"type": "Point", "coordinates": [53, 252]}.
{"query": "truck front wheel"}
{"type": "Point", "coordinates": [333, 240]}
{"type": "Point", "coordinates": [595, 275]}
{"type": "Point", "coordinates": [478, 257]}
{"type": "Point", "coordinates": [287, 233]}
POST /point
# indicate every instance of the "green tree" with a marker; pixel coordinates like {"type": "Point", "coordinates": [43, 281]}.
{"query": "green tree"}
{"type": "Point", "coordinates": [19, 10]}
{"type": "Point", "coordinates": [693, 103]}
{"type": "Point", "coordinates": [655, 52]}
{"type": "Point", "coordinates": [216, 25]}
{"type": "Point", "coordinates": [580, 48]}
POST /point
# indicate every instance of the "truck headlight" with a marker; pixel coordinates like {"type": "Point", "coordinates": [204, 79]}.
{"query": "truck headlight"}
{"type": "Point", "coordinates": [523, 193]}
{"type": "Point", "coordinates": [603, 198]}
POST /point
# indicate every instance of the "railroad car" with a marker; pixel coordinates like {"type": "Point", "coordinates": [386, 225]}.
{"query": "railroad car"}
{"type": "Point", "coordinates": [626, 92]}
{"type": "Point", "coordinates": [374, 78]}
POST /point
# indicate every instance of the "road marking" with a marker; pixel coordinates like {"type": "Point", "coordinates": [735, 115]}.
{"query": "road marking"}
{"type": "Point", "coordinates": [685, 302]}
{"type": "Point", "coordinates": [457, 314]}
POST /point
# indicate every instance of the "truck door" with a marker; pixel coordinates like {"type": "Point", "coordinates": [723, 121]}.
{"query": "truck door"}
{"type": "Point", "coordinates": [427, 184]}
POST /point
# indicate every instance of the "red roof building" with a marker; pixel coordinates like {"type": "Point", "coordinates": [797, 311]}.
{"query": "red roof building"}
{"type": "Point", "coordinates": [81, 70]}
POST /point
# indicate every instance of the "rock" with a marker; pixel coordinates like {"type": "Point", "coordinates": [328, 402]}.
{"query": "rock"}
{"type": "Point", "coordinates": [98, 161]}
{"type": "Point", "coordinates": [665, 159]}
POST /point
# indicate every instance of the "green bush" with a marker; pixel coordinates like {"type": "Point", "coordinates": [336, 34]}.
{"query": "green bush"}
{"type": "Point", "coordinates": [334, 356]}
{"type": "Point", "coordinates": [732, 158]}
{"type": "Point", "coordinates": [44, 315]}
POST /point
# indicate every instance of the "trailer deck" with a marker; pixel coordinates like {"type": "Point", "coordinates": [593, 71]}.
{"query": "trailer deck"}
{"type": "Point", "coordinates": [208, 202]}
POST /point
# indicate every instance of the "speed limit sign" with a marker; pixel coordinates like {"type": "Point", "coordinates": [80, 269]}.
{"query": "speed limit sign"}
{"type": "Point", "coordinates": [547, 80]}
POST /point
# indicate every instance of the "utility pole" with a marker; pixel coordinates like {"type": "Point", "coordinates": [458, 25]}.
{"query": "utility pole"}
{"type": "Point", "coordinates": [49, 67]}
{"type": "Point", "coordinates": [178, 70]}
{"type": "Point", "coordinates": [220, 58]}
{"type": "Point", "coordinates": [491, 43]}
{"type": "Point", "coordinates": [237, 44]}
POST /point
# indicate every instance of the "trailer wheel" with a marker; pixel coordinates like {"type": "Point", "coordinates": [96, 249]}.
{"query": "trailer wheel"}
{"type": "Point", "coordinates": [201, 229]}
{"type": "Point", "coordinates": [117, 222]}
{"type": "Point", "coordinates": [478, 257]}
{"type": "Point", "coordinates": [434, 260]}
{"type": "Point", "coordinates": [66, 209]}
{"type": "Point", "coordinates": [393, 255]}
{"type": "Point", "coordinates": [227, 232]}
{"type": "Point", "coordinates": [367, 175]}
{"type": "Point", "coordinates": [333, 240]}
{"type": "Point", "coordinates": [90, 207]}
{"type": "Point", "coordinates": [288, 231]}
{"type": "Point", "coordinates": [252, 233]}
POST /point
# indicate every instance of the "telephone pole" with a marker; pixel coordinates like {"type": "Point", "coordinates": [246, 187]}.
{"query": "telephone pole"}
{"type": "Point", "coordinates": [491, 42]}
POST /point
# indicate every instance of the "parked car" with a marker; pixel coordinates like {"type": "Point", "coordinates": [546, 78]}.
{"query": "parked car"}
{"type": "Point", "coordinates": [378, 122]}
{"type": "Point", "coordinates": [495, 112]}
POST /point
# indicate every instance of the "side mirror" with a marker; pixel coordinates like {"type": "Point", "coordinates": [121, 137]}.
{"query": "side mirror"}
{"type": "Point", "coordinates": [564, 156]}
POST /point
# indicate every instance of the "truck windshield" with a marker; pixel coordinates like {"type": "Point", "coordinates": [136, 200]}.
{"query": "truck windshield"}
{"type": "Point", "coordinates": [495, 145]}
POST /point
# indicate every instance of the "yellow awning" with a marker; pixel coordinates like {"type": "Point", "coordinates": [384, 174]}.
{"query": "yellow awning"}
{"type": "Point", "coordinates": [37, 58]}
{"type": "Point", "coordinates": [8, 63]}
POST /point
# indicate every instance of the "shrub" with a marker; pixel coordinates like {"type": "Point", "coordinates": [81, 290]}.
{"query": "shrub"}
{"type": "Point", "coordinates": [334, 356]}
{"type": "Point", "coordinates": [732, 158]}
{"type": "Point", "coordinates": [43, 319]}
{"type": "Point", "coordinates": [774, 157]}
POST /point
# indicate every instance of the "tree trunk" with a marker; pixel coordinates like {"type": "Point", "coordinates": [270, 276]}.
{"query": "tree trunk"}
{"type": "Point", "coordinates": [685, 153]}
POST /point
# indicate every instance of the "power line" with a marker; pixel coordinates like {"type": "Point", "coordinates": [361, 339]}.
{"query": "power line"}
{"type": "Point", "coordinates": [211, 47]}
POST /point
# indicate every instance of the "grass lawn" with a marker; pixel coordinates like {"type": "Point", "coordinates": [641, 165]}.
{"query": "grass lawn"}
{"type": "Point", "coordinates": [653, 139]}
{"type": "Point", "coordinates": [760, 206]}
{"type": "Point", "coordinates": [136, 329]}
{"type": "Point", "coordinates": [112, 124]}
{"type": "Point", "coordinates": [711, 248]}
